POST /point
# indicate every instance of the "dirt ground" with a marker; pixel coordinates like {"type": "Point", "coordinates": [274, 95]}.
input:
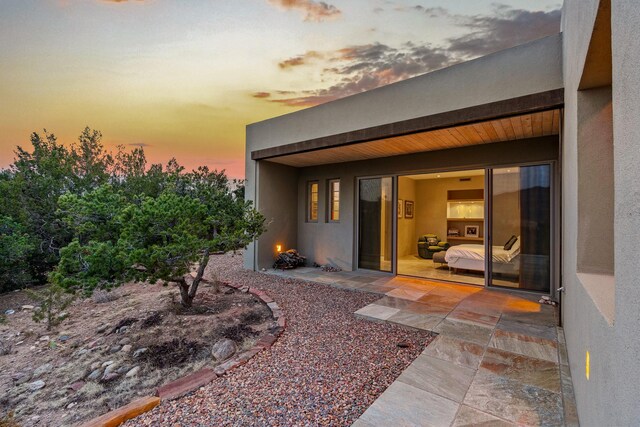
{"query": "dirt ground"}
{"type": "Point", "coordinates": [115, 347]}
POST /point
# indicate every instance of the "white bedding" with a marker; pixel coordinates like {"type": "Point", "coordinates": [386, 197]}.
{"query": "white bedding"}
{"type": "Point", "coordinates": [476, 253]}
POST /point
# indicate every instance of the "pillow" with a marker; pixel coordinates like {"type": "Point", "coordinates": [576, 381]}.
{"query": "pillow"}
{"type": "Point", "coordinates": [432, 241]}
{"type": "Point", "coordinates": [510, 242]}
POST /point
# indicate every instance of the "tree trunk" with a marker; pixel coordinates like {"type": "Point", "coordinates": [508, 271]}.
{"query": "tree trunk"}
{"type": "Point", "coordinates": [196, 280]}
{"type": "Point", "coordinates": [188, 292]}
{"type": "Point", "coordinates": [185, 299]}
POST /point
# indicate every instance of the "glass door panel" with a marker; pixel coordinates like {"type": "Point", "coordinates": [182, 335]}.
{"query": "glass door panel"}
{"type": "Point", "coordinates": [375, 223]}
{"type": "Point", "coordinates": [521, 228]}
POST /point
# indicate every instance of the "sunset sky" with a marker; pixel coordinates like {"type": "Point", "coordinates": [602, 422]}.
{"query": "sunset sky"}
{"type": "Point", "coordinates": [183, 78]}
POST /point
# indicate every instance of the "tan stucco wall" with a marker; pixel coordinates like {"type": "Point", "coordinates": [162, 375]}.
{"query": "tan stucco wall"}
{"type": "Point", "coordinates": [335, 243]}
{"type": "Point", "coordinates": [610, 396]}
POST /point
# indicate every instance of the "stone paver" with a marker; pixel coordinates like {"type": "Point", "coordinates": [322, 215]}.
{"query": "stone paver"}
{"type": "Point", "coordinates": [499, 359]}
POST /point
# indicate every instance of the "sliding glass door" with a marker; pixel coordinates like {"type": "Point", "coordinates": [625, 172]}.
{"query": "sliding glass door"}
{"type": "Point", "coordinates": [521, 227]}
{"type": "Point", "coordinates": [375, 223]}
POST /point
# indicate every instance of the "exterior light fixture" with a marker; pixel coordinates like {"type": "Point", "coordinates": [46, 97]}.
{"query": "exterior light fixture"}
{"type": "Point", "coordinates": [278, 248]}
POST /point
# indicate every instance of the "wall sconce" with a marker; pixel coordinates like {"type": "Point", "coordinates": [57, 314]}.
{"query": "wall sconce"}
{"type": "Point", "coordinates": [279, 248]}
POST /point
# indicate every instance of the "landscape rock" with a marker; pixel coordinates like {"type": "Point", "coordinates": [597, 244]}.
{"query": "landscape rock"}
{"type": "Point", "coordinates": [9, 312]}
{"type": "Point", "coordinates": [76, 386]}
{"type": "Point", "coordinates": [107, 363]}
{"type": "Point", "coordinates": [21, 378]}
{"type": "Point", "coordinates": [126, 348]}
{"type": "Point", "coordinates": [223, 349]}
{"type": "Point", "coordinates": [45, 338]}
{"type": "Point", "coordinates": [94, 375]}
{"type": "Point", "coordinates": [139, 352]}
{"type": "Point", "coordinates": [124, 369]}
{"type": "Point", "coordinates": [109, 369]}
{"type": "Point", "coordinates": [133, 372]}
{"type": "Point", "coordinates": [110, 376]}
{"type": "Point", "coordinates": [102, 328]}
{"type": "Point", "coordinates": [81, 352]}
{"type": "Point", "coordinates": [95, 365]}
{"type": "Point", "coordinates": [42, 369]}
{"type": "Point", "coordinates": [114, 348]}
{"type": "Point", "coordinates": [5, 347]}
{"type": "Point", "coordinates": [28, 307]}
{"type": "Point", "coordinates": [36, 385]}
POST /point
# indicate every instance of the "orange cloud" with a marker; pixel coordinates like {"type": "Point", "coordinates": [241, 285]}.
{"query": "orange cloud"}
{"type": "Point", "coordinates": [299, 60]}
{"type": "Point", "coordinates": [314, 10]}
{"type": "Point", "coordinates": [261, 95]}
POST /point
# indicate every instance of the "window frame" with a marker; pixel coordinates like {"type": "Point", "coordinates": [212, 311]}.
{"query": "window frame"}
{"type": "Point", "coordinates": [330, 200]}
{"type": "Point", "coordinates": [310, 200]}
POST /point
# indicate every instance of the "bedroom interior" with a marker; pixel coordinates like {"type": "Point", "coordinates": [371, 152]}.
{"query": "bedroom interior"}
{"type": "Point", "coordinates": [443, 235]}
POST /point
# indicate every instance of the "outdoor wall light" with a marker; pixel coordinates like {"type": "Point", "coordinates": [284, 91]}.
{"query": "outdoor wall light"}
{"type": "Point", "coordinates": [278, 248]}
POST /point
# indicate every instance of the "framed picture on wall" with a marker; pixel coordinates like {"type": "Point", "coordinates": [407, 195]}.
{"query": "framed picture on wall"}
{"type": "Point", "coordinates": [471, 231]}
{"type": "Point", "coordinates": [408, 209]}
{"type": "Point", "coordinates": [400, 208]}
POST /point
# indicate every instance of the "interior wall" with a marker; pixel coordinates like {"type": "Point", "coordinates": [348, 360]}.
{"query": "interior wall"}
{"type": "Point", "coordinates": [506, 207]}
{"type": "Point", "coordinates": [431, 199]}
{"type": "Point", "coordinates": [407, 240]}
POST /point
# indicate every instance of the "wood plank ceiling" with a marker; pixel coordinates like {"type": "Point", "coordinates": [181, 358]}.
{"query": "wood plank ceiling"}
{"type": "Point", "coordinates": [507, 129]}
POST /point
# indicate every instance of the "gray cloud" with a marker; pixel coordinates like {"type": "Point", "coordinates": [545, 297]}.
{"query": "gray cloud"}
{"type": "Point", "coordinates": [359, 68]}
{"type": "Point", "coordinates": [364, 67]}
{"type": "Point", "coordinates": [507, 28]}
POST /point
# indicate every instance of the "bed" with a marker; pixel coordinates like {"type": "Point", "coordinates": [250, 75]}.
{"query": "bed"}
{"type": "Point", "coordinates": [471, 257]}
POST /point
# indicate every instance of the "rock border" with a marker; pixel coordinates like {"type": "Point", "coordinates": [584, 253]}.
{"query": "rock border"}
{"type": "Point", "coordinates": [194, 381]}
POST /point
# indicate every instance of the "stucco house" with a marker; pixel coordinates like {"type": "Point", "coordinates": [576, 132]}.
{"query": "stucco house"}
{"type": "Point", "coordinates": [518, 170]}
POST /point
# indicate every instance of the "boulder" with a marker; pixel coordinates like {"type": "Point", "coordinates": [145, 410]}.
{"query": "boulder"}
{"type": "Point", "coordinates": [109, 369]}
{"type": "Point", "coordinates": [5, 347]}
{"type": "Point", "coordinates": [94, 375]}
{"type": "Point", "coordinates": [223, 349]}
{"type": "Point", "coordinates": [42, 369]}
{"type": "Point", "coordinates": [133, 372]}
{"type": "Point", "coordinates": [139, 352]}
{"type": "Point", "coordinates": [126, 348]}
{"type": "Point", "coordinates": [36, 385]}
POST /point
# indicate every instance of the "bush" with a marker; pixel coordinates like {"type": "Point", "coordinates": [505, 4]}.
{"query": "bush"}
{"type": "Point", "coordinates": [53, 301]}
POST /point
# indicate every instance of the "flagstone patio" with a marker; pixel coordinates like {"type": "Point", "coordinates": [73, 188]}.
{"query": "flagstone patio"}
{"type": "Point", "coordinates": [499, 358]}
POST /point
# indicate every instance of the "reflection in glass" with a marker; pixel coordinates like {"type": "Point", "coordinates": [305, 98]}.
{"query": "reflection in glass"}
{"type": "Point", "coordinates": [521, 227]}
{"type": "Point", "coordinates": [375, 239]}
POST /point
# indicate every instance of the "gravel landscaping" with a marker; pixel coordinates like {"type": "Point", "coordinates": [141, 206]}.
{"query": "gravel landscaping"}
{"type": "Point", "coordinates": [325, 369]}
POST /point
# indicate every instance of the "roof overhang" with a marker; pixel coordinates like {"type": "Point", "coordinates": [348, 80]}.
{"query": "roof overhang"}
{"type": "Point", "coordinates": [511, 119]}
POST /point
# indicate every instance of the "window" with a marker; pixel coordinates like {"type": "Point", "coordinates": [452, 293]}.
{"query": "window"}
{"type": "Point", "coordinates": [312, 202]}
{"type": "Point", "coordinates": [334, 200]}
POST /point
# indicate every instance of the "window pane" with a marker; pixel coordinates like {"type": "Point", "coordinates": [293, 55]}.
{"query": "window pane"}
{"type": "Point", "coordinates": [521, 251]}
{"type": "Point", "coordinates": [334, 202]}
{"type": "Point", "coordinates": [313, 201]}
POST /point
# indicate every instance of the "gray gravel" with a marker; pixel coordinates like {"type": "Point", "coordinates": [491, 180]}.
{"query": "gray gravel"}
{"type": "Point", "coordinates": [325, 369]}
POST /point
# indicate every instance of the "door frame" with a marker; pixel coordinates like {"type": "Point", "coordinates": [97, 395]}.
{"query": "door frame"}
{"type": "Point", "coordinates": [554, 216]}
{"type": "Point", "coordinates": [394, 223]}
{"type": "Point", "coordinates": [554, 182]}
